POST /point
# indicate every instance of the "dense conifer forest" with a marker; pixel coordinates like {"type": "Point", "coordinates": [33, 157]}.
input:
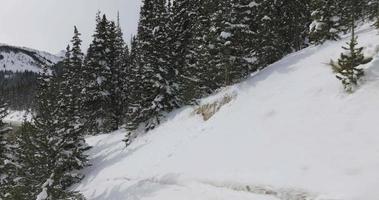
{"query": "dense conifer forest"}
{"type": "Point", "coordinates": [184, 50]}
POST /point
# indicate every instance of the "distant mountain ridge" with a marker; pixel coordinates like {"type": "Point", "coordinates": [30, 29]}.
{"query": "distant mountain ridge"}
{"type": "Point", "coordinates": [20, 59]}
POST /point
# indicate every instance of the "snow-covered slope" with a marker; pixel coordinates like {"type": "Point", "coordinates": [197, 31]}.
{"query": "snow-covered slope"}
{"type": "Point", "coordinates": [24, 59]}
{"type": "Point", "coordinates": [290, 133]}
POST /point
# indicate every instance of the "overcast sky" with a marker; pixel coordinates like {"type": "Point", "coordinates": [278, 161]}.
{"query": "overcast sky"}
{"type": "Point", "coordinates": [48, 24]}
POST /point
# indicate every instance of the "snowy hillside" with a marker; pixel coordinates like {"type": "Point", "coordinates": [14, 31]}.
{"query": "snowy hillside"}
{"type": "Point", "coordinates": [288, 133]}
{"type": "Point", "coordinates": [24, 59]}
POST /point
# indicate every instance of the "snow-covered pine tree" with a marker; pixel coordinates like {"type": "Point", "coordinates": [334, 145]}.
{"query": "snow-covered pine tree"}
{"type": "Point", "coordinates": [98, 75]}
{"type": "Point", "coordinates": [193, 72]}
{"type": "Point", "coordinates": [347, 68]}
{"type": "Point", "coordinates": [50, 151]}
{"type": "Point", "coordinates": [157, 95]}
{"type": "Point", "coordinates": [71, 86]}
{"type": "Point", "coordinates": [122, 64]}
{"type": "Point", "coordinates": [133, 84]}
{"type": "Point", "coordinates": [163, 91]}
{"type": "Point", "coordinates": [183, 18]}
{"type": "Point", "coordinates": [75, 73]}
{"type": "Point", "coordinates": [230, 60]}
{"type": "Point", "coordinates": [142, 61]}
{"type": "Point", "coordinates": [239, 35]}
{"type": "Point", "coordinates": [5, 153]}
{"type": "Point", "coordinates": [212, 60]}
{"type": "Point", "coordinates": [281, 29]}
{"type": "Point", "coordinates": [117, 57]}
{"type": "Point", "coordinates": [348, 9]}
{"type": "Point", "coordinates": [372, 11]}
{"type": "Point", "coordinates": [326, 23]}
{"type": "Point", "coordinates": [269, 45]}
{"type": "Point", "coordinates": [293, 19]}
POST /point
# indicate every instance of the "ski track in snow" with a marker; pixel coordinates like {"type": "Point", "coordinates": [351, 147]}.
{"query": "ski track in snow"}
{"type": "Point", "coordinates": [291, 133]}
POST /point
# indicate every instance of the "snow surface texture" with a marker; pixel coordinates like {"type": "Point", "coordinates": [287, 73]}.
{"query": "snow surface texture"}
{"type": "Point", "coordinates": [20, 59]}
{"type": "Point", "coordinates": [291, 133]}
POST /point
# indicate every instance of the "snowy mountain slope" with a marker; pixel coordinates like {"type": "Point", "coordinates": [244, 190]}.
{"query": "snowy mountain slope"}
{"type": "Point", "coordinates": [291, 133]}
{"type": "Point", "coordinates": [24, 59]}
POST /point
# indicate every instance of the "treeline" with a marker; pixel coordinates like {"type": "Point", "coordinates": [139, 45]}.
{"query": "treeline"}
{"type": "Point", "coordinates": [182, 52]}
{"type": "Point", "coordinates": [18, 89]}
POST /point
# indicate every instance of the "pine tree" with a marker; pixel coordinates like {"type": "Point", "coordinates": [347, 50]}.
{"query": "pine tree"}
{"type": "Point", "coordinates": [116, 56]}
{"type": "Point", "coordinates": [157, 94]}
{"type": "Point", "coordinates": [281, 29]}
{"type": "Point", "coordinates": [162, 93]}
{"type": "Point", "coordinates": [372, 7]}
{"type": "Point", "coordinates": [293, 18]}
{"type": "Point", "coordinates": [98, 75]}
{"type": "Point", "coordinates": [351, 8]}
{"type": "Point", "coordinates": [133, 84]}
{"type": "Point", "coordinates": [71, 86]}
{"type": "Point", "coordinates": [212, 61]}
{"type": "Point", "coordinates": [347, 68]}
{"type": "Point", "coordinates": [183, 19]}
{"type": "Point", "coordinates": [197, 72]}
{"type": "Point", "coordinates": [239, 36]}
{"type": "Point", "coordinates": [50, 151]}
{"type": "Point", "coordinates": [326, 23]}
{"type": "Point", "coordinates": [5, 153]}
{"type": "Point", "coordinates": [231, 58]}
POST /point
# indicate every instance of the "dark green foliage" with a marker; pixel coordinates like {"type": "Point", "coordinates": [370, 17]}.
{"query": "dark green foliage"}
{"type": "Point", "coordinates": [97, 74]}
{"type": "Point", "coordinates": [184, 14]}
{"type": "Point", "coordinates": [347, 68]}
{"type": "Point", "coordinates": [326, 23]}
{"type": "Point", "coordinates": [372, 11]}
{"type": "Point", "coordinates": [37, 165]}
{"type": "Point", "coordinates": [5, 152]}
{"type": "Point", "coordinates": [18, 89]}
{"type": "Point", "coordinates": [133, 85]}
{"type": "Point", "coordinates": [104, 72]}
{"type": "Point", "coordinates": [49, 151]}
{"type": "Point", "coordinates": [152, 67]}
{"type": "Point", "coordinates": [70, 99]}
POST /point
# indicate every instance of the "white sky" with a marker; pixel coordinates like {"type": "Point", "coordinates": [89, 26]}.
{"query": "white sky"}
{"type": "Point", "coordinates": [48, 24]}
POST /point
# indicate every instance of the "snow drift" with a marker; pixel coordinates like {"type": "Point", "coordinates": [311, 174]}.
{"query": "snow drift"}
{"type": "Point", "coordinates": [289, 133]}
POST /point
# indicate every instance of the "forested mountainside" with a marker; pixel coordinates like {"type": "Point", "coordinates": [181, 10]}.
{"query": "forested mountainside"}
{"type": "Point", "coordinates": [301, 70]}
{"type": "Point", "coordinates": [289, 132]}
{"type": "Point", "coordinates": [20, 59]}
{"type": "Point", "coordinates": [19, 68]}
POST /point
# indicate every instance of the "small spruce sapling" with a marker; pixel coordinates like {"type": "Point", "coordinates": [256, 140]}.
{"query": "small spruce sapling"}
{"type": "Point", "coordinates": [347, 68]}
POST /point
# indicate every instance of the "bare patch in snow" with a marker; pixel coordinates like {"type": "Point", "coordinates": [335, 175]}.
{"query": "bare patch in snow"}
{"type": "Point", "coordinates": [208, 110]}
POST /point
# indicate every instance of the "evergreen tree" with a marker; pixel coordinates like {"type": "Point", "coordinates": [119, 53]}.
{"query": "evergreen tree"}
{"type": "Point", "coordinates": [116, 56]}
{"type": "Point", "coordinates": [161, 97]}
{"type": "Point", "coordinates": [5, 153]}
{"type": "Point", "coordinates": [184, 14]}
{"type": "Point", "coordinates": [347, 68]}
{"type": "Point", "coordinates": [98, 75]}
{"type": "Point", "coordinates": [104, 71]}
{"type": "Point", "coordinates": [71, 86]}
{"type": "Point", "coordinates": [49, 151]}
{"type": "Point", "coordinates": [199, 67]}
{"type": "Point", "coordinates": [326, 23]}
{"type": "Point", "coordinates": [373, 11]}
{"type": "Point", "coordinates": [240, 36]}
{"type": "Point", "coordinates": [281, 29]}
{"type": "Point", "coordinates": [155, 71]}
{"type": "Point", "coordinates": [212, 63]}
{"type": "Point", "coordinates": [133, 85]}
